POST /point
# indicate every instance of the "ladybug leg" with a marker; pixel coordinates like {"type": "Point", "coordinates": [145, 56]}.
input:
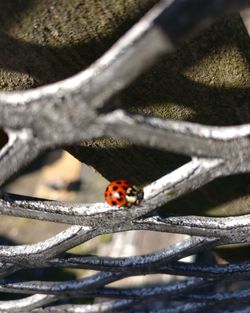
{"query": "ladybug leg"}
{"type": "Point", "coordinates": [140, 196]}
{"type": "Point", "coordinates": [128, 204]}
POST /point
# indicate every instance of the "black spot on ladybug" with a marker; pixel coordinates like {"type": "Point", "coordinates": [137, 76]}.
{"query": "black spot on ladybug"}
{"type": "Point", "coordinates": [115, 188]}
{"type": "Point", "coordinates": [118, 182]}
{"type": "Point", "coordinates": [120, 194]}
{"type": "Point", "coordinates": [124, 188]}
{"type": "Point", "coordinates": [107, 189]}
{"type": "Point", "coordinates": [114, 203]}
{"type": "Point", "coordinates": [106, 194]}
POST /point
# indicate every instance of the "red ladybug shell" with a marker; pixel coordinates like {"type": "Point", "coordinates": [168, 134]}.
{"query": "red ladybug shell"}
{"type": "Point", "coordinates": [122, 193]}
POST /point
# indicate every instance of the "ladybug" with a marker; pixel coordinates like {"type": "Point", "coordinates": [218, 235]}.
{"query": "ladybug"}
{"type": "Point", "coordinates": [122, 193]}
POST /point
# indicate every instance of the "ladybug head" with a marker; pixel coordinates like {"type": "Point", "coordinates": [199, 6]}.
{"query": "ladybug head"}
{"type": "Point", "coordinates": [134, 195]}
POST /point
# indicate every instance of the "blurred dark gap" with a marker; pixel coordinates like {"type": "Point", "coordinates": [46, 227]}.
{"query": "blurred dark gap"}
{"type": "Point", "coordinates": [3, 138]}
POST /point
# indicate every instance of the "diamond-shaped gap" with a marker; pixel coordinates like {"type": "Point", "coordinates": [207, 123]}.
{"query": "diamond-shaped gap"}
{"type": "Point", "coordinates": [122, 160]}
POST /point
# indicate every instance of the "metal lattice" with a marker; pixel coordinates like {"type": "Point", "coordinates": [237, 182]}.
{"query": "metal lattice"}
{"type": "Point", "coordinates": [72, 110]}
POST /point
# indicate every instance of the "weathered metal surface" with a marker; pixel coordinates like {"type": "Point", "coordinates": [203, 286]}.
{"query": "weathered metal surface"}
{"type": "Point", "coordinates": [75, 109]}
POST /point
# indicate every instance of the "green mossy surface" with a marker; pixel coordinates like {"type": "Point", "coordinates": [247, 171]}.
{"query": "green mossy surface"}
{"type": "Point", "coordinates": [45, 41]}
{"type": "Point", "coordinates": [205, 78]}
